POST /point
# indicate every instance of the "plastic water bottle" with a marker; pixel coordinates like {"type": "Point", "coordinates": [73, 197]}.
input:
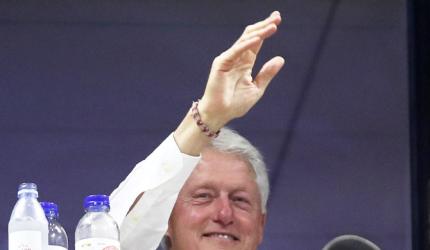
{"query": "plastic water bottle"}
{"type": "Point", "coordinates": [57, 237]}
{"type": "Point", "coordinates": [97, 230]}
{"type": "Point", "coordinates": [28, 227]}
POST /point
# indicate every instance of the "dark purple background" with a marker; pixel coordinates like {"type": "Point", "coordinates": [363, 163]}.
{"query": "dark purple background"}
{"type": "Point", "coordinates": [89, 88]}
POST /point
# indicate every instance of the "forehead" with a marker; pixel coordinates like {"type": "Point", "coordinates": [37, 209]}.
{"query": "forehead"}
{"type": "Point", "coordinates": [218, 167]}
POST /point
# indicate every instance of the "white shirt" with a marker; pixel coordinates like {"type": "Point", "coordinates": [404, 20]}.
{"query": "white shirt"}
{"type": "Point", "coordinates": [161, 176]}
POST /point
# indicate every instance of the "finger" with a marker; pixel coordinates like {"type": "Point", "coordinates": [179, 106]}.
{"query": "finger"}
{"type": "Point", "coordinates": [237, 49]}
{"type": "Point", "coordinates": [262, 33]}
{"type": "Point", "coordinates": [268, 71]}
{"type": "Point", "coordinates": [264, 29]}
{"type": "Point", "coordinates": [274, 18]}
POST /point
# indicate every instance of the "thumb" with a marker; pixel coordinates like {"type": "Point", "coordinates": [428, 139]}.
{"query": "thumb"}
{"type": "Point", "coordinates": [268, 71]}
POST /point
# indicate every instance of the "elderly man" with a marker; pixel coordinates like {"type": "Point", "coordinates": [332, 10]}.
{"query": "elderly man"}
{"type": "Point", "coordinates": [222, 204]}
{"type": "Point", "coordinates": [213, 188]}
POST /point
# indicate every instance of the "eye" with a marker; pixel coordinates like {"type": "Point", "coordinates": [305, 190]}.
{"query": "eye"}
{"type": "Point", "coordinates": [240, 199]}
{"type": "Point", "coordinates": [202, 197]}
{"type": "Point", "coordinates": [242, 202]}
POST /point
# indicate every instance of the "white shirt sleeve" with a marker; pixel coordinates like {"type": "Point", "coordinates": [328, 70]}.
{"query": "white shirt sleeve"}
{"type": "Point", "coordinates": [160, 176]}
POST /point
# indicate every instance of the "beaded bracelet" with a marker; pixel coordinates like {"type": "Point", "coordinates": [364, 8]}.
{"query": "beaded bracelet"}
{"type": "Point", "coordinates": [196, 116]}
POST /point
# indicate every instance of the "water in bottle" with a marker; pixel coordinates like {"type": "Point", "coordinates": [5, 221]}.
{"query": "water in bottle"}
{"type": "Point", "coordinates": [57, 237]}
{"type": "Point", "coordinates": [28, 227]}
{"type": "Point", "coordinates": [97, 230]}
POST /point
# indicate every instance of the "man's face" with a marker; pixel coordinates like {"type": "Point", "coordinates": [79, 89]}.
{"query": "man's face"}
{"type": "Point", "coordinates": [219, 206]}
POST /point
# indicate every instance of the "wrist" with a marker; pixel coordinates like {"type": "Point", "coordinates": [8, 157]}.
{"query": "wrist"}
{"type": "Point", "coordinates": [201, 122]}
{"type": "Point", "coordinates": [213, 118]}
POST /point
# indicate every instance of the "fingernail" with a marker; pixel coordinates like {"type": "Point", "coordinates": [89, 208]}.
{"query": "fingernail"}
{"type": "Point", "coordinates": [275, 13]}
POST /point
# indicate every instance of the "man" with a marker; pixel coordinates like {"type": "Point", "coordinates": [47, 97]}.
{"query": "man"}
{"type": "Point", "coordinates": [220, 206]}
{"type": "Point", "coordinates": [223, 203]}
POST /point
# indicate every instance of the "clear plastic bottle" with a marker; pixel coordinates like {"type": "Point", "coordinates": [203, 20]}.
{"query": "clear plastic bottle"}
{"type": "Point", "coordinates": [97, 230]}
{"type": "Point", "coordinates": [57, 237]}
{"type": "Point", "coordinates": [28, 227]}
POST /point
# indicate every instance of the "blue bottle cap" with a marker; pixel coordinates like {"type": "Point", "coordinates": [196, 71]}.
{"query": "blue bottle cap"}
{"type": "Point", "coordinates": [96, 201]}
{"type": "Point", "coordinates": [50, 209]}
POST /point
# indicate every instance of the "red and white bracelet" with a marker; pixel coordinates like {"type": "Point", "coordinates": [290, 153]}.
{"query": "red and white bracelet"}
{"type": "Point", "coordinates": [204, 128]}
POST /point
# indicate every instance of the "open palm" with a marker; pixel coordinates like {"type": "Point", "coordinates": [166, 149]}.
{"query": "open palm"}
{"type": "Point", "coordinates": [231, 90]}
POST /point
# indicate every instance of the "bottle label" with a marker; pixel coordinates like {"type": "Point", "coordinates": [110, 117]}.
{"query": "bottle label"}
{"type": "Point", "coordinates": [97, 244]}
{"type": "Point", "coordinates": [56, 248]}
{"type": "Point", "coordinates": [25, 240]}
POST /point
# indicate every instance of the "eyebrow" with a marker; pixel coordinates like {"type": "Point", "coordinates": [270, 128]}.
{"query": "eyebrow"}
{"type": "Point", "coordinates": [202, 186]}
{"type": "Point", "coordinates": [210, 186]}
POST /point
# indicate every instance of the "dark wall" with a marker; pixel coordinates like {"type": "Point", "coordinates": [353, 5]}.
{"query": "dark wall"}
{"type": "Point", "coordinates": [89, 88]}
{"type": "Point", "coordinates": [419, 58]}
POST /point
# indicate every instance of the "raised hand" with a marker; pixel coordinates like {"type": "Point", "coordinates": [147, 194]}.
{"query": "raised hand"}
{"type": "Point", "coordinates": [231, 90]}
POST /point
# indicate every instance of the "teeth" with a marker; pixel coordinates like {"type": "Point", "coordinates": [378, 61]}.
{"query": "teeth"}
{"type": "Point", "coordinates": [223, 236]}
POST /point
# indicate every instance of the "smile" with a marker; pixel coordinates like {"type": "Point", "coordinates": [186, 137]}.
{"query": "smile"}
{"type": "Point", "coordinates": [224, 236]}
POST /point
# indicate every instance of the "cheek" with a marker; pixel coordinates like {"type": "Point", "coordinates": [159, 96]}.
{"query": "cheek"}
{"type": "Point", "coordinates": [198, 215]}
{"type": "Point", "coordinates": [192, 216]}
{"type": "Point", "coordinates": [250, 224]}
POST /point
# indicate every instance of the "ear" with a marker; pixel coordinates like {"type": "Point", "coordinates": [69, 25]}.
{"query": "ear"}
{"type": "Point", "coordinates": [169, 230]}
{"type": "Point", "coordinates": [261, 225]}
{"type": "Point", "coordinates": [167, 239]}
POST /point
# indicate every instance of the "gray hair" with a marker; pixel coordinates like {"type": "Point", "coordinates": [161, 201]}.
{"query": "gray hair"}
{"type": "Point", "coordinates": [230, 141]}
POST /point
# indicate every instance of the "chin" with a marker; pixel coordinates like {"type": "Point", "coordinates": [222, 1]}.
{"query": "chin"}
{"type": "Point", "coordinates": [219, 244]}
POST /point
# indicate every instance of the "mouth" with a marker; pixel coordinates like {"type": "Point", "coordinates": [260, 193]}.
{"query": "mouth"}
{"type": "Point", "coordinates": [222, 236]}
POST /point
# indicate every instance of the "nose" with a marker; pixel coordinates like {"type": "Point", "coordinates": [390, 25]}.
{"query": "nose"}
{"type": "Point", "coordinates": [224, 211]}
